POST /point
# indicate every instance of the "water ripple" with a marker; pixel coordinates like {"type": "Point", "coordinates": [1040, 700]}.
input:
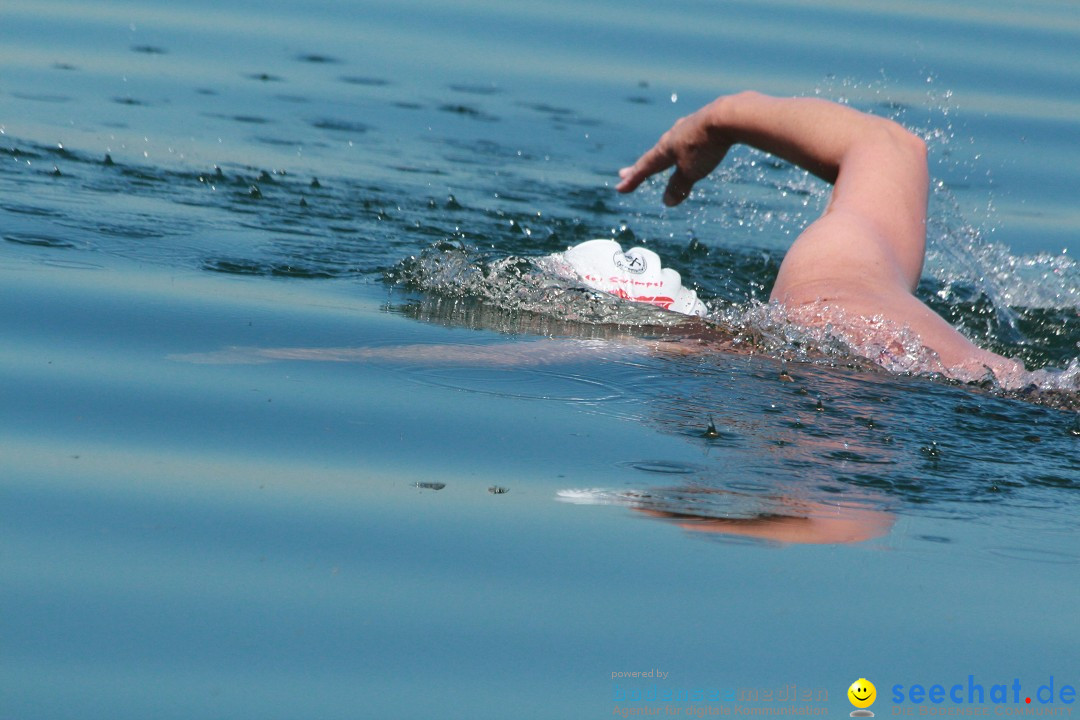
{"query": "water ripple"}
{"type": "Point", "coordinates": [522, 383]}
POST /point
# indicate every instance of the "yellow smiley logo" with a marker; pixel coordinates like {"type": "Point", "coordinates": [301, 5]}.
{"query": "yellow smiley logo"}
{"type": "Point", "coordinates": [862, 693]}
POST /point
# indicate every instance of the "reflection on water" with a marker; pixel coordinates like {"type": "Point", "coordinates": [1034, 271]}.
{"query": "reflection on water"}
{"type": "Point", "coordinates": [776, 518]}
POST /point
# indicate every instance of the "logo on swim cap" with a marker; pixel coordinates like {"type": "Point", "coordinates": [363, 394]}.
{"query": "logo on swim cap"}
{"type": "Point", "coordinates": [629, 263]}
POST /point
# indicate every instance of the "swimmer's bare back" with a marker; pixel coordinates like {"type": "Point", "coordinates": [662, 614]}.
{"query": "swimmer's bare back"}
{"type": "Point", "coordinates": [863, 257]}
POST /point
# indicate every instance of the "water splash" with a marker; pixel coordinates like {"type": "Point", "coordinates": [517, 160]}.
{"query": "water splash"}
{"type": "Point", "coordinates": [532, 287]}
{"type": "Point", "coordinates": [521, 284]}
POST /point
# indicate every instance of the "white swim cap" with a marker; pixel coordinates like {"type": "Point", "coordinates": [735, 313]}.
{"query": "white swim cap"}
{"type": "Point", "coordinates": [634, 275]}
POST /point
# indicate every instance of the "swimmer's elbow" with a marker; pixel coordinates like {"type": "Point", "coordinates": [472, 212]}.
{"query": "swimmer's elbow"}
{"type": "Point", "coordinates": [912, 144]}
{"type": "Point", "coordinates": [916, 143]}
{"type": "Point", "coordinates": [904, 142]}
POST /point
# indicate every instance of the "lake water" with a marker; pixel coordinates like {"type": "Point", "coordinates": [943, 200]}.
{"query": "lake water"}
{"type": "Point", "coordinates": [285, 434]}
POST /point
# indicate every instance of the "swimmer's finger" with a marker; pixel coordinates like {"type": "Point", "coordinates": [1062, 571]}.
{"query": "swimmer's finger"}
{"type": "Point", "coordinates": [678, 188]}
{"type": "Point", "coordinates": [652, 162]}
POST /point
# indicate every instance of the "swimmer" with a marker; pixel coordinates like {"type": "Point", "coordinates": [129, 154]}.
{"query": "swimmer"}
{"type": "Point", "coordinates": [857, 266]}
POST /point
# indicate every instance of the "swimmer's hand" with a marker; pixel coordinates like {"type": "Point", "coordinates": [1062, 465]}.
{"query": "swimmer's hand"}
{"type": "Point", "coordinates": [814, 134]}
{"type": "Point", "coordinates": [694, 146]}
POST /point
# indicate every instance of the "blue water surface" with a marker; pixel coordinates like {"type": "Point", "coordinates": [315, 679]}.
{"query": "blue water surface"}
{"type": "Point", "coordinates": [246, 471]}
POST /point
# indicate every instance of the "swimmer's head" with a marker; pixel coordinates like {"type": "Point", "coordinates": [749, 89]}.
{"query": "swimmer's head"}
{"type": "Point", "coordinates": [636, 275]}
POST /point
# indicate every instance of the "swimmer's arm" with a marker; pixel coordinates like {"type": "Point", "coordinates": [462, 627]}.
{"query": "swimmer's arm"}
{"type": "Point", "coordinates": [864, 255]}
{"type": "Point", "coordinates": [878, 168]}
{"type": "Point", "coordinates": [524, 353]}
